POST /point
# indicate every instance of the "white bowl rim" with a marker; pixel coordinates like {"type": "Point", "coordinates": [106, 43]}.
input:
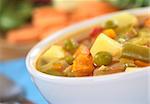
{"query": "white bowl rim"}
{"type": "Point", "coordinates": [31, 57]}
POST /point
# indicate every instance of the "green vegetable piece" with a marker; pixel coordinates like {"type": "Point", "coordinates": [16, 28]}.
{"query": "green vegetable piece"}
{"type": "Point", "coordinates": [102, 58]}
{"type": "Point", "coordinates": [140, 40]}
{"type": "Point", "coordinates": [9, 21]}
{"type": "Point", "coordinates": [25, 9]}
{"type": "Point", "coordinates": [69, 59]}
{"type": "Point", "coordinates": [143, 38]}
{"type": "Point", "coordinates": [136, 52]}
{"type": "Point", "coordinates": [137, 3]}
{"type": "Point", "coordinates": [125, 4]}
{"type": "Point", "coordinates": [3, 4]}
{"type": "Point", "coordinates": [110, 24]}
{"type": "Point", "coordinates": [70, 45]}
{"type": "Point", "coordinates": [146, 3]}
{"type": "Point", "coordinates": [15, 14]}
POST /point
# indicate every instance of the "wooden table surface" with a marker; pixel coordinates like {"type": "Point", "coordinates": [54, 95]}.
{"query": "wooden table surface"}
{"type": "Point", "coordinates": [12, 51]}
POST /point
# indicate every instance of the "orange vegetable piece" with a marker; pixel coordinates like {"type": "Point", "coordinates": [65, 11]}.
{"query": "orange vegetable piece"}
{"type": "Point", "coordinates": [48, 16]}
{"type": "Point", "coordinates": [24, 34]}
{"type": "Point", "coordinates": [141, 63]}
{"type": "Point", "coordinates": [82, 50]}
{"type": "Point", "coordinates": [83, 65]}
{"type": "Point", "coordinates": [91, 9]}
{"type": "Point", "coordinates": [110, 32]}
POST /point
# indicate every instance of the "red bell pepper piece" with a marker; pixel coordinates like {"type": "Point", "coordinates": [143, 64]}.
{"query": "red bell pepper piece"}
{"type": "Point", "coordinates": [96, 31]}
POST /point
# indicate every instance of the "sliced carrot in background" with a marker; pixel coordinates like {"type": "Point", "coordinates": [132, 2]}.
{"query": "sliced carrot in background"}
{"type": "Point", "coordinates": [49, 30]}
{"type": "Point", "coordinates": [147, 22]}
{"type": "Point", "coordinates": [91, 9]}
{"type": "Point", "coordinates": [24, 34]}
{"type": "Point", "coordinates": [48, 16]}
{"type": "Point", "coordinates": [47, 20]}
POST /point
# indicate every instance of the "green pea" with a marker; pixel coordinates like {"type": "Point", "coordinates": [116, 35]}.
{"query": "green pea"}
{"type": "Point", "coordinates": [110, 24]}
{"type": "Point", "coordinates": [69, 59]}
{"type": "Point", "coordinates": [102, 58]}
{"type": "Point", "coordinates": [70, 45]}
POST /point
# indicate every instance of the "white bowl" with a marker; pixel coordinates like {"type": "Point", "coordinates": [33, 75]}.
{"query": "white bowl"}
{"type": "Point", "coordinates": [122, 88]}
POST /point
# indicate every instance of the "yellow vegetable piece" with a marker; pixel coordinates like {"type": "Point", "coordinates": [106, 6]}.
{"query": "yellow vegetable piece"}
{"type": "Point", "coordinates": [104, 43]}
{"type": "Point", "coordinates": [54, 52]}
{"type": "Point", "coordinates": [124, 19]}
{"type": "Point", "coordinates": [131, 69]}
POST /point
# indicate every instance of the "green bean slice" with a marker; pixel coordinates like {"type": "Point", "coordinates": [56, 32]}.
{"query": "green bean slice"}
{"type": "Point", "coordinates": [136, 52]}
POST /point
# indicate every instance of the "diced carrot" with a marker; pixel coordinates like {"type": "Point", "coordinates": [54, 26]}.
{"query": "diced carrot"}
{"type": "Point", "coordinates": [147, 22]}
{"type": "Point", "coordinates": [141, 63]}
{"type": "Point", "coordinates": [48, 16]}
{"type": "Point", "coordinates": [49, 30]}
{"type": "Point", "coordinates": [110, 32]}
{"type": "Point", "coordinates": [83, 65]}
{"type": "Point", "coordinates": [58, 67]}
{"type": "Point", "coordinates": [82, 50]}
{"type": "Point", "coordinates": [91, 9]}
{"type": "Point", "coordinates": [24, 34]}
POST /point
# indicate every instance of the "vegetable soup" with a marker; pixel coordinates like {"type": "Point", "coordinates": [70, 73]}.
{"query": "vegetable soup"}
{"type": "Point", "coordinates": [119, 44]}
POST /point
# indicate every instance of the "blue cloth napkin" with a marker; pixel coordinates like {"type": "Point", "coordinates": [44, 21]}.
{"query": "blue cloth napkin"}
{"type": "Point", "coordinates": [16, 70]}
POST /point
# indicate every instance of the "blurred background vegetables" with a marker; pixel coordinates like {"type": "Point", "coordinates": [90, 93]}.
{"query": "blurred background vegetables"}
{"type": "Point", "coordinates": [48, 19]}
{"type": "Point", "coordinates": [125, 4]}
{"type": "Point", "coordinates": [20, 12]}
{"type": "Point", "coordinates": [15, 14]}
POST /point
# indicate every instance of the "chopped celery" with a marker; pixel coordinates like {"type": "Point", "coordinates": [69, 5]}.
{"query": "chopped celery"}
{"type": "Point", "coordinates": [140, 40]}
{"type": "Point", "coordinates": [136, 52]}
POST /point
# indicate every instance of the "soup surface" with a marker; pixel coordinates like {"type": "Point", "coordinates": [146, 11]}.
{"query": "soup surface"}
{"type": "Point", "coordinates": [120, 44]}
